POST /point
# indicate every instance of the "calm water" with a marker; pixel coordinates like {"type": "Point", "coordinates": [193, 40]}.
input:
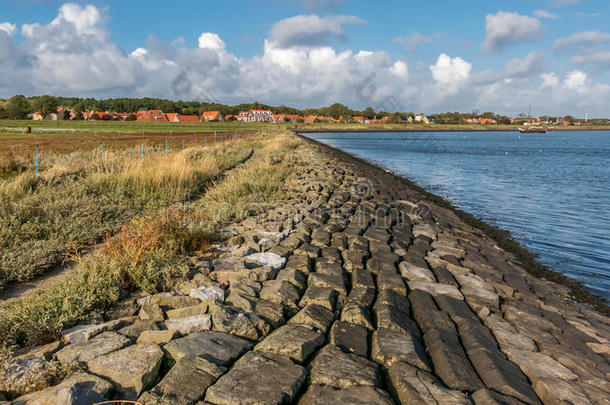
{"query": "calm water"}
{"type": "Point", "coordinates": [551, 191]}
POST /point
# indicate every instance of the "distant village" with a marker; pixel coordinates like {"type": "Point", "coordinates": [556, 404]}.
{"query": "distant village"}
{"type": "Point", "coordinates": [270, 117]}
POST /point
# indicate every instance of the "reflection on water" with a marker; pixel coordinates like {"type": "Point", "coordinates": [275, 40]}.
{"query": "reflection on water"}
{"type": "Point", "coordinates": [551, 191]}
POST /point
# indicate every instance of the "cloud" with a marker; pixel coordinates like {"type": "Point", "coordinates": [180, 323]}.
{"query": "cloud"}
{"type": "Point", "coordinates": [412, 41]}
{"type": "Point", "coordinates": [549, 79]}
{"type": "Point", "coordinates": [8, 28]}
{"type": "Point", "coordinates": [531, 64]}
{"type": "Point", "coordinates": [601, 58]}
{"type": "Point", "coordinates": [576, 80]}
{"type": "Point", "coordinates": [73, 55]}
{"type": "Point", "coordinates": [209, 40]}
{"type": "Point", "coordinates": [311, 30]}
{"type": "Point", "coordinates": [506, 28]}
{"type": "Point", "coordinates": [580, 40]}
{"type": "Point", "coordinates": [545, 14]}
{"type": "Point", "coordinates": [450, 71]}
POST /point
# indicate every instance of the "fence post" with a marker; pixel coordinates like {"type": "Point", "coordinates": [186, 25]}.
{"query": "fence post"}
{"type": "Point", "coordinates": [195, 141]}
{"type": "Point", "coordinates": [165, 146]}
{"type": "Point", "coordinates": [102, 149]}
{"type": "Point", "coordinates": [182, 143]}
{"type": "Point", "coordinates": [205, 141]}
{"type": "Point", "coordinates": [36, 160]}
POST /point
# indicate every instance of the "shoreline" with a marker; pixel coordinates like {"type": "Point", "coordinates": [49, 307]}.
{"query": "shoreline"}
{"type": "Point", "coordinates": [429, 129]}
{"type": "Point", "coordinates": [502, 237]}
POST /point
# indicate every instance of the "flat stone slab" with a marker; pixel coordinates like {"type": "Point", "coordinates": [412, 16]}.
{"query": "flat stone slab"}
{"type": "Point", "coordinates": [189, 324]}
{"type": "Point", "coordinates": [335, 282]}
{"type": "Point", "coordinates": [314, 315]}
{"type": "Point", "coordinates": [101, 344]}
{"type": "Point", "coordinates": [507, 336]}
{"type": "Point", "coordinates": [558, 391]}
{"type": "Point", "coordinates": [219, 348]}
{"type": "Point", "coordinates": [185, 383]}
{"type": "Point", "coordinates": [335, 368]}
{"type": "Point", "coordinates": [295, 341]}
{"type": "Point", "coordinates": [97, 390]}
{"type": "Point", "coordinates": [237, 322]}
{"type": "Point", "coordinates": [414, 386]}
{"type": "Point", "coordinates": [132, 369]}
{"type": "Point", "coordinates": [436, 289]}
{"type": "Point", "coordinates": [363, 395]}
{"type": "Point", "coordinates": [536, 365]}
{"type": "Point", "coordinates": [260, 379]}
{"type": "Point", "coordinates": [156, 337]}
{"type": "Point", "coordinates": [350, 338]}
{"type": "Point", "coordinates": [390, 347]}
{"type": "Point", "coordinates": [82, 333]}
{"type": "Point", "coordinates": [323, 296]}
{"type": "Point", "coordinates": [265, 259]}
{"type": "Point", "coordinates": [416, 273]}
{"type": "Point", "coordinates": [134, 330]}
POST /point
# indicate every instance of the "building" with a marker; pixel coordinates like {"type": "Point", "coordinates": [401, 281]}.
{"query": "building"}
{"type": "Point", "coordinates": [59, 115]}
{"type": "Point", "coordinates": [189, 118]}
{"type": "Point", "coordinates": [262, 115]}
{"type": "Point", "coordinates": [421, 118]}
{"type": "Point", "coordinates": [212, 116]}
{"type": "Point", "coordinates": [151, 116]}
{"type": "Point", "coordinates": [245, 116]}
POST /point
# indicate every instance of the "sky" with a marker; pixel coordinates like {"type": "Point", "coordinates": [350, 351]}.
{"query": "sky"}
{"type": "Point", "coordinates": [393, 55]}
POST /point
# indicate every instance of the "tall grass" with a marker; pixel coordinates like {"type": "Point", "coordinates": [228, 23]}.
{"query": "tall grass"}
{"type": "Point", "coordinates": [150, 252]}
{"type": "Point", "coordinates": [78, 198]}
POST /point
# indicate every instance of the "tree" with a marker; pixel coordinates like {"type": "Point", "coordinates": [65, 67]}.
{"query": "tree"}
{"type": "Point", "coordinates": [45, 104]}
{"type": "Point", "coordinates": [569, 118]}
{"type": "Point", "coordinates": [131, 117]}
{"type": "Point", "coordinates": [338, 110]}
{"type": "Point", "coordinates": [369, 112]}
{"type": "Point", "coordinates": [17, 108]}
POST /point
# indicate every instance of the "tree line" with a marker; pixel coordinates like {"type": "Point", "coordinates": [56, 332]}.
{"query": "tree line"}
{"type": "Point", "coordinates": [19, 106]}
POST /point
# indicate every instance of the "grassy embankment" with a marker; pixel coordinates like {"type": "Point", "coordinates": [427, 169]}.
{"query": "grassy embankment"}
{"type": "Point", "coordinates": [77, 198]}
{"type": "Point", "coordinates": [149, 252]}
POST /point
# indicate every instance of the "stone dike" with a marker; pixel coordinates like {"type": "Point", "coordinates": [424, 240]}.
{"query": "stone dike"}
{"type": "Point", "coordinates": [354, 290]}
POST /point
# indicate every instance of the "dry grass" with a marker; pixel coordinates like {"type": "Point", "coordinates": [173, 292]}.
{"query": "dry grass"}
{"type": "Point", "coordinates": [150, 252]}
{"type": "Point", "coordinates": [78, 198]}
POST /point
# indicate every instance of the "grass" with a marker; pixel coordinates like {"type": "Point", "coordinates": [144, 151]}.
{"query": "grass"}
{"type": "Point", "coordinates": [79, 197]}
{"type": "Point", "coordinates": [150, 252]}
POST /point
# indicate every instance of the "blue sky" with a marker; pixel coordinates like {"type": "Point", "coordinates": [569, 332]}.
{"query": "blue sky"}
{"type": "Point", "coordinates": [427, 56]}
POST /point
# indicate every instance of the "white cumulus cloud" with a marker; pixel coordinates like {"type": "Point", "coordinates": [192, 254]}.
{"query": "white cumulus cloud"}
{"type": "Point", "coordinates": [311, 30]}
{"type": "Point", "coordinates": [8, 28]}
{"type": "Point", "coordinates": [505, 28]}
{"type": "Point", "coordinates": [449, 70]}
{"type": "Point", "coordinates": [209, 40]}
{"type": "Point", "coordinates": [575, 80]}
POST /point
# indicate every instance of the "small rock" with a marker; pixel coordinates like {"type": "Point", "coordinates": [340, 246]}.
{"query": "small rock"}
{"type": "Point", "coordinates": [82, 333]}
{"type": "Point", "coordinates": [314, 315]}
{"type": "Point", "coordinates": [208, 293]}
{"type": "Point", "coordinates": [238, 322]}
{"type": "Point", "coordinates": [151, 312]}
{"type": "Point", "coordinates": [101, 344]}
{"type": "Point", "coordinates": [436, 289]}
{"type": "Point", "coordinates": [295, 341]}
{"type": "Point", "coordinates": [258, 378]}
{"type": "Point", "coordinates": [187, 311]}
{"type": "Point", "coordinates": [189, 325]}
{"type": "Point", "coordinates": [265, 259]}
{"type": "Point", "coordinates": [365, 395]}
{"type": "Point", "coordinates": [416, 273]}
{"type": "Point", "coordinates": [219, 348]}
{"type": "Point", "coordinates": [132, 369]}
{"type": "Point", "coordinates": [56, 395]}
{"type": "Point", "coordinates": [342, 370]}
{"type": "Point", "coordinates": [350, 338]}
{"type": "Point", "coordinates": [136, 329]}
{"type": "Point", "coordinates": [156, 337]}
{"type": "Point", "coordinates": [390, 347]}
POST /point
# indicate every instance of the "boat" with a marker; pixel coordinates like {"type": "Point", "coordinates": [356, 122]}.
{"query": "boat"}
{"type": "Point", "coordinates": [529, 129]}
{"type": "Point", "coordinates": [533, 130]}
